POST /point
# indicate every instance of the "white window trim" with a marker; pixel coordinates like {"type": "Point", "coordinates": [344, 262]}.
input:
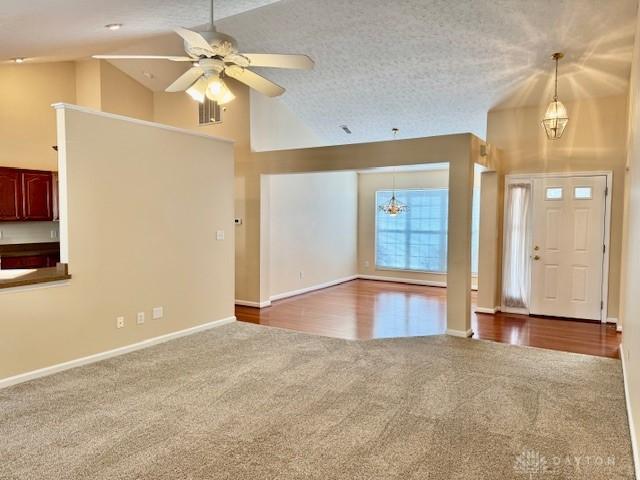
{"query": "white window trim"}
{"type": "Point", "coordinates": [375, 233]}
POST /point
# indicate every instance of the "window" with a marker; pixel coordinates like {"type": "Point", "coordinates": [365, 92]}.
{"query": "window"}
{"type": "Point", "coordinates": [553, 193]}
{"type": "Point", "coordinates": [582, 193]}
{"type": "Point", "coordinates": [417, 240]}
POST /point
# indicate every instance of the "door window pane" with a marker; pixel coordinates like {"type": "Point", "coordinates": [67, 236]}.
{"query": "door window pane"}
{"type": "Point", "coordinates": [582, 193]}
{"type": "Point", "coordinates": [553, 193]}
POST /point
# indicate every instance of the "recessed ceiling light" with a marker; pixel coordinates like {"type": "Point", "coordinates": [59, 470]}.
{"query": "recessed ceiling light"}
{"type": "Point", "coordinates": [19, 60]}
{"type": "Point", "coordinates": [113, 26]}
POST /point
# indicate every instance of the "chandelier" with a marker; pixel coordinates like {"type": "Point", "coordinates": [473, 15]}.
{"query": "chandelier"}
{"type": "Point", "coordinates": [556, 118]}
{"type": "Point", "coordinates": [393, 207]}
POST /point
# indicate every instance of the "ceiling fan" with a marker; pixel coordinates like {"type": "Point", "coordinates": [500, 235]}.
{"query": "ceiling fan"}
{"type": "Point", "coordinates": [214, 56]}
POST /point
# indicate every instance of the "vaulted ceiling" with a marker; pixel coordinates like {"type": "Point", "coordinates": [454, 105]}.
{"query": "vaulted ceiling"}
{"type": "Point", "coordinates": [428, 67]}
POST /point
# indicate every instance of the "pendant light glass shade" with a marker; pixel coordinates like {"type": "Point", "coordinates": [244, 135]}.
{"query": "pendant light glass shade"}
{"type": "Point", "coordinates": [197, 90]}
{"type": "Point", "coordinates": [218, 91]}
{"type": "Point", "coordinates": [556, 118]}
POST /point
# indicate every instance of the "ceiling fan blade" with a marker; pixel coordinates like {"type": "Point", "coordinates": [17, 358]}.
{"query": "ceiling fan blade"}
{"type": "Point", "coordinates": [145, 57]}
{"type": "Point", "coordinates": [278, 60]}
{"type": "Point", "coordinates": [254, 81]}
{"type": "Point", "coordinates": [185, 80]}
{"type": "Point", "coordinates": [195, 40]}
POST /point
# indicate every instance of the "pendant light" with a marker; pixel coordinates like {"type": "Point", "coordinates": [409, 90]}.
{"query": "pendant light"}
{"type": "Point", "coordinates": [393, 207]}
{"type": "Point", "coordinates": [556, 118]}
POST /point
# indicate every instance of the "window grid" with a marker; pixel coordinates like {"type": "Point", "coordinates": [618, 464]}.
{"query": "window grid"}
{"type": "Point", "coordinates": [417, 240]}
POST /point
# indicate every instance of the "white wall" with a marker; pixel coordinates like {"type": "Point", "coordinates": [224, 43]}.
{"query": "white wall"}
{"type": "Point", "coordinates": [28, 232]}
{"type": "Point", "coordinates": [313, 229]}
{"type": "Point", "coordinates": [275, 127]}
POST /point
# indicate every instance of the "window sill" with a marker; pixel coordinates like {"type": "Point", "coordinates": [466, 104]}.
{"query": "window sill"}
{"type": "Point", "coordinates": [389, 269]}
{"type": "Point", "coordinates": [21, 278]}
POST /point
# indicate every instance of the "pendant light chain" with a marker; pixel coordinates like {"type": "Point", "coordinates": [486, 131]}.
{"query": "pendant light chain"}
{"type": "Point", "coordinates": [555, 96]}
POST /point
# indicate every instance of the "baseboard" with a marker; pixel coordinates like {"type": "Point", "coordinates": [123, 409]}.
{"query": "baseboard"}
{"type": "Point", "coordinates": [612, 320]}
{"type": "Point", "coordinates": [487, 310]}
{"type": "Point", "coordinates": [459, 333]}
{"type": "Point", "coordinates": [619, 328]}
{"type": "Point", "coordinates": [320, 286]}
{"type": "Point", "coordinates": [60, 367]}
{"type": "Point", "coordinates": [632, 432]}
{"type": "Point", "coordinates": [248, 303]}
{"type": "Point", "coordinates": [428, 283]}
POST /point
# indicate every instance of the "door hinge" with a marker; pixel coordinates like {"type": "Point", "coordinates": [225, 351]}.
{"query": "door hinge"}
{"type": "Point", "coordinates": [604, 248]}
{"type": "Point", "coordinates": [601, 305]}
{"type": "Point", "coordinates": [606, 191]}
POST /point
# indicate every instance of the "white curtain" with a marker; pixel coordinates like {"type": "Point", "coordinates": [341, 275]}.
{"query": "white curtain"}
{"type": "Point", "coordinates": [515, 271]}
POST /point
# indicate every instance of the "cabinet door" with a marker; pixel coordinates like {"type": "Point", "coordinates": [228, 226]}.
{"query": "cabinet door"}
{"type": "Point", "coordinates": [37, 191]}
{"type": "Point", "coordinates": [10, 195]}
{"type": "Point", "coordinates": [28, 262]}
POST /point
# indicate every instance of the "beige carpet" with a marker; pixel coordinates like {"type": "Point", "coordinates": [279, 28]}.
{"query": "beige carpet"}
{"type": "Point", "coordinates": [246, 402]}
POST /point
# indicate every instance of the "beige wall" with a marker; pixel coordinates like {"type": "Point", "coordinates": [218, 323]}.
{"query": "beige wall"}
{"type": "Point", "coordinates": [368, 184]}
{"type": "Point", "coordinates": [631, 260]}
{"type": "Point", "coordinates": [489, 240]}
{"type": "Point", "coordinates": [123, 95]}
{"type": "Point", "coordinates": [88, 84]}
{"type": "Point", "coordinates": [131, 246]}
{"type": "Point", "coordinates": [312, 229]}
{"type": "Point", "coordinates": [595, 139]}
{"type": "Point", "coordinates": [180, 110]}
{"type": "Point", "coordinates": [27, 121]}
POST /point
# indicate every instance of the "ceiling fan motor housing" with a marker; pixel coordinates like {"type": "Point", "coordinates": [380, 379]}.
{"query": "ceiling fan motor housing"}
{"type": "Point", "coordinates": [221, 44]}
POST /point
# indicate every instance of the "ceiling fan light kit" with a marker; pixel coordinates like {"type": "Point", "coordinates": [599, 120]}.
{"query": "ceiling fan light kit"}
{"type": "Point", "coordinates": [214, 56]}
{"type": "Point", "coordinates": [556, 117]}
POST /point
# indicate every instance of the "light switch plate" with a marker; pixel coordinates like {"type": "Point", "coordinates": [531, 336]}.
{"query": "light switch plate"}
{"type": "Point", "coordinates": [220, 235]}
{"type": "Point", "coordinates": [140, 318]}
{"type": "Point", "coordinates": [158, 312]}
{"type": "Point", "coordinates": [120, 322]}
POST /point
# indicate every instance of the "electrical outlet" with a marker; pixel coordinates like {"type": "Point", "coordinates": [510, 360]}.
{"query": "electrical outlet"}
{"type": "Point", "coordinates": [140, 318]}
{"type": "Point", "coordinates": [120, 322]}
{"type": "Point", "coordinates": [158, 312]}
{"type": "Point", "coordinates": [0, 234]}
{"type": "Point", "coordinates": [54, 234]}
{"type": "Point", "coordinates": [220, 235]}
{"type": "Point", "coordinates": [366, 264]}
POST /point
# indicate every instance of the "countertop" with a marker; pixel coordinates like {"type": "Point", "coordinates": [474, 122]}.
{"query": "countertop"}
{"type": "Point", "coordinates": [20, 278]}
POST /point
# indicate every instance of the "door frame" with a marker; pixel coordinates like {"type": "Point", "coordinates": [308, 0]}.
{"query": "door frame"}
{"type": "Point", "coordinates": [529, 177]}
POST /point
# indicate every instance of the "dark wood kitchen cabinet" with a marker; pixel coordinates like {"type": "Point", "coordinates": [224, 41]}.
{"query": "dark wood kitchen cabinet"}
{"type": "Point", "coordinates": [37, 195]}
{"type": "Point", "coordinates": [29, 261]}
{"type": "Point", "coordinates": [26, 195]}
{"type": "Point", "coordinates": [10, 195]}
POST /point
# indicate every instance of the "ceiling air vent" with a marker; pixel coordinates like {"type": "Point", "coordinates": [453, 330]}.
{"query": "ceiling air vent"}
{"type": "Point", "coordinates": [209, 112]}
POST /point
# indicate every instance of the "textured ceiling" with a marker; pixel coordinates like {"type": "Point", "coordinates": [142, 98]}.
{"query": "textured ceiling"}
{"type": "Point", "coordinates": [433, 67]}
{"type": "Point", "coordinates": [69, 29]}
{"type": "Point", "coordinates": [428, 67]}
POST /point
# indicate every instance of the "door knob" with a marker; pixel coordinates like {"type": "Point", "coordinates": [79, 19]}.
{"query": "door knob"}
{"type": "Point", "coordinates": [536, 257]}
{"type": "Point", "coordinates": [536, 248]}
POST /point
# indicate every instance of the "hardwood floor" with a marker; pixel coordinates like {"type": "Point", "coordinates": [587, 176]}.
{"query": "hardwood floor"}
{"type": "Point", "coordinates": [366, 309]}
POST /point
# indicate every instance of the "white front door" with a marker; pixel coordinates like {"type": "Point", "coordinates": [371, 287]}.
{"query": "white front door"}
{"type": "Point", "coordinates": [568, 246]}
